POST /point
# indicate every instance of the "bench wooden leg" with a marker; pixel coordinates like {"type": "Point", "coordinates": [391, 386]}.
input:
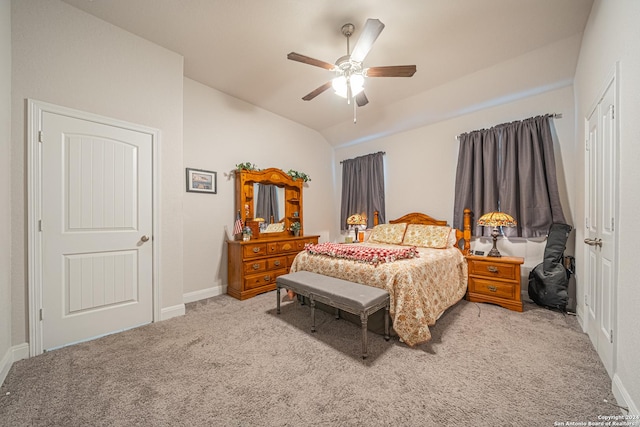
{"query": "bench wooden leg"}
{"type": "Point", "coordinates": [364, 318]}
{"type": "Point", "coordinates": [278, 297]}
{"type": "Point", "coordinates": [337, 313]}
{"type": "Point", "coordinates": [313, 313]}
{"type": "Point", "coordinates": [386, 322]}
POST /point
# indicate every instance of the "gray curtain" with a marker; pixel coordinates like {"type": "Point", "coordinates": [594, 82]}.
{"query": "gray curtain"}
{"type": "Point", "coordinates": [510, 168]}
{"type": "Point", "coordinates": [267, 203]}
{"type": "Point", "coordinates": [363, 188]}
{"type": "Point", "coordinates": [528, 183]}
{"type": "Point", "coordinates": [476, 177]}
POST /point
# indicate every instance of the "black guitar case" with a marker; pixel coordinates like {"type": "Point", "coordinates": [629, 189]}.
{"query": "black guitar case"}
{"type": "Point", "coordinates": [549, 280]}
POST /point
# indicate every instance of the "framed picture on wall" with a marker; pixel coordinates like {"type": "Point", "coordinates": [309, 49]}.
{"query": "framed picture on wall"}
{"type": "Point", "coordinates": [201, 181]}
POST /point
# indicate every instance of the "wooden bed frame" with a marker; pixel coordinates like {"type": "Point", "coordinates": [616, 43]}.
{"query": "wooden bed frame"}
{"type": "Point", "coordinates": [420, 218]}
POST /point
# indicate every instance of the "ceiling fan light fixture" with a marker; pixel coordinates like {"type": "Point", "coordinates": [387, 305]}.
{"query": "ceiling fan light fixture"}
{"type": "Point", "coordinates": [339, 85]}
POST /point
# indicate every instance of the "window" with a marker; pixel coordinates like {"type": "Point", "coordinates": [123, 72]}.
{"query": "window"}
{"type": "Point", "coordinates": [363, 188]}
{"type": "Point", "coordinates": [510, 168]}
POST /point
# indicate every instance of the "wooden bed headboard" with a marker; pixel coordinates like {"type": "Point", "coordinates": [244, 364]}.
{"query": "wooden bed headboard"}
{"type": "Point", "coordinates": [420, 218]}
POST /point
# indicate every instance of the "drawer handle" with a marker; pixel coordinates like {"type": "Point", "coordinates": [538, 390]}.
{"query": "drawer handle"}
{"type": "Point", "coordinates": [256, 266]}
{"type": "Point", "coordinates": [492, 269]}
{"type": "Point", "coordinates": [267, 278]}
{"type": "Point", "coordinates": [277, 263]}
{"type": "Point", "coordinates": [256, 250]}
{"type": "Point", "coordinates": [492, 288]}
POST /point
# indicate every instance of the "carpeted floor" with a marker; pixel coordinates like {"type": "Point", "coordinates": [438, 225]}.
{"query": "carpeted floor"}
{"type": "Point", "coordinates": [237, 363]}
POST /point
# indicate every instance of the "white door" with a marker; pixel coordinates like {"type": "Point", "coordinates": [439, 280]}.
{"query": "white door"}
{"type": "Point", "coordinates": [96, 210]}
{"type": "Point", "coordinates": [600, 234]}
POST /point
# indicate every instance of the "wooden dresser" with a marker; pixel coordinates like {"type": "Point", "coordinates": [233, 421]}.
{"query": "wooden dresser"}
{"type": "Point", "coordinates": [255, 264]}
{"type": "Point", "coordinates": [495, 280]}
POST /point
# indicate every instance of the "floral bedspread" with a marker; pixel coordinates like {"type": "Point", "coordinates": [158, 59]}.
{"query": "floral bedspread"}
{"type": "Point", "coordinates": [361, 253]}
{"type": "Point", "coordinates": [420, 288]}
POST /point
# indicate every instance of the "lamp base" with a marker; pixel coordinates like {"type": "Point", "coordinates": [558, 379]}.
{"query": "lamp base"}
{"type": "Point", "coordinates": [494, 252]}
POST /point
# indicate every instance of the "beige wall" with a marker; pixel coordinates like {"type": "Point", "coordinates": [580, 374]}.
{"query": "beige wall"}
{"type": "Point", "coordinates": [421, 164]}
{"type": "Point", "coordinates": [66, 57]}
{"type": "Point", "coordinates": [613, 34]}
{"type": "Point", "coordinates": [5, 187]}
{"type": "Point", "coordinates": [219, 132]}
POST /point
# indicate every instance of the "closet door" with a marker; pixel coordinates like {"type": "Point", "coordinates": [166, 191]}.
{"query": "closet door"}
{"type": "Point", "coordinates": [600, 233]}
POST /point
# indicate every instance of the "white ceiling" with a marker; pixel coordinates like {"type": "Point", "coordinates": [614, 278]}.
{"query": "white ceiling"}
{"type": "Point", "coordinates": [240, 47]}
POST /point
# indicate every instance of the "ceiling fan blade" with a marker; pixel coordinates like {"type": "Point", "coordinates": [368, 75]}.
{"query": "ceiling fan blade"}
{"type": "Point", "coordinates": [361, 99]}
{"type": "Point", "coordinates": [311, 61]}
{"type": "Point", "coordinates": [316, 92]}
{"type": "Point", "coordinates": [391, 71]}
{"type": "Point", "coordinates": [370, 33]}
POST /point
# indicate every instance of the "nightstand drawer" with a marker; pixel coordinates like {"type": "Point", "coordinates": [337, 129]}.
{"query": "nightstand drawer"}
{"type": "Point", "coordinates": [493, 288]}
{"type": "Point", "coordinates": [493, 269]}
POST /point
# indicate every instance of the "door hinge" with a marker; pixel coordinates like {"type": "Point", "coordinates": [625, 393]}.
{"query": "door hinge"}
{"type": "Point", "coordinates": [613, 223]}
{"type": "Point", "coordinates": [585, 300]}
{"type": "Point", "coordinates": [586, 144]}
{"type": "Point", "coordinates": [586, 223]}
{"type": "Point", "coordinates": [39, 225]}
{"type": "Point", "coordinates": [41, 316]}
{"type": "Point", "coordinates": [611, 337]}
{"type": "Point", "coordinates": [613, 112]}
{"type": "Point", "coordinates": [40, 137]}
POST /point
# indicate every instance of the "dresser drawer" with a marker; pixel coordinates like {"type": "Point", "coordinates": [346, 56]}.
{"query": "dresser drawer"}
{"type": "Point", "coordinates": [253, 250]}
{"type": "Point", "coordinates": [290, 259]}
{"type": "Point", "coordinates": [252, 281]}
{"type": "Point", "coordinates": [493, 269]}
{"type": "Point", "coordinates": [255, 266]}
{"type": "Point", "coordinates": [492, 288]}
{"type": "Point", "coordinates": [287, 246]}
{"type": "Point", "coordinates": [276, 263]}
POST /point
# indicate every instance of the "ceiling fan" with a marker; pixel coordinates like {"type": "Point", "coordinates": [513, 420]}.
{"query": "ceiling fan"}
{"type": "Point", "coordinates": [350, 74]}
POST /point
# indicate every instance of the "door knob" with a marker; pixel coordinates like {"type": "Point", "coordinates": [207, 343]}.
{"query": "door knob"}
{"type": "Point", "coordinates": [593, 242]}
{"type": "Point", "coordinates": [145, 238]}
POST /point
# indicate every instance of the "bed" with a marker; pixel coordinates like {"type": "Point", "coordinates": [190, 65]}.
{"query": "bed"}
{"type": "Point", "coordinates": [423, 274]}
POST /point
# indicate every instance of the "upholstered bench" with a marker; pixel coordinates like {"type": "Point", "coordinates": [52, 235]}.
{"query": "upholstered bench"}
{"type": "Point", "coordinates": [340, 294]}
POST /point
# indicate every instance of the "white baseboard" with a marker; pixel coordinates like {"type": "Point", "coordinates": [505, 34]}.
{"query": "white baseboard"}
{"type": "Point", "coordinates": [204, 294]}
{"type": "Point", "coordinates": [174, 311]}
{"type": "Point", "coordinates": [622, 395]}
{"type": "Point", "coordinates": [580, 317]}
{"type": "Point", "coordinates": [15, 353]}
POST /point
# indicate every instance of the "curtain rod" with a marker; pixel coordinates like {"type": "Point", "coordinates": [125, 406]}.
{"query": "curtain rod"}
{"type": "Point", "coordinates": [379, 152]}
{"type": "Point", "coordinates": [554, 115]}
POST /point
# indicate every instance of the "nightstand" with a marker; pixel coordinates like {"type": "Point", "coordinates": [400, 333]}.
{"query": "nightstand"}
{"type": "Point", "coordinates": [495, 280]}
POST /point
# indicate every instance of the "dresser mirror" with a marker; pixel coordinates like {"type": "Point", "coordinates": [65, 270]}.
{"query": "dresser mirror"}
{"type": "Point", "coordinates": [269, 205]}
{"type": "Point", "coordinates": [288, 192]}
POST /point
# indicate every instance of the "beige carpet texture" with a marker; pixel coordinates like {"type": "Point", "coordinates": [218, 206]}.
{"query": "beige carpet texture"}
{"type": "Point", "coordinates": [238, 363]}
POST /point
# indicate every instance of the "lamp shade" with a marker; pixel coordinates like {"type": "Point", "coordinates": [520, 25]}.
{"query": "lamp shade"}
{"type": "Point", "coordinates": [357, 219]}
{"type": "Point", "coordinates": [497, 219]}
{"type": "Point", "coordinates": [340, 84]}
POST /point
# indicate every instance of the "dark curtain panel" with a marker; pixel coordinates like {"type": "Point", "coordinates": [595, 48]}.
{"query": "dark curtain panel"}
{"type": "Point", "coordinates": [476, 177]}
{"type": "Point", "coordinates": [509, 168]}
{"type": "Point", "coordinates": [528, 183]}
{"type": "Point", "coordinates": [362, 188]}
{"type": "Point", "coordinates": [267, 203]}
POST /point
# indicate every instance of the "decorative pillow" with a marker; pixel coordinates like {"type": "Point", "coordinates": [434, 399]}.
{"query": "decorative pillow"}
{"type": "Point", "coordinates": [427, 236]}
{"type": "Point", "coordinates": [391, 234]}
{"type": "Point", "coordinates": [453, 241]}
